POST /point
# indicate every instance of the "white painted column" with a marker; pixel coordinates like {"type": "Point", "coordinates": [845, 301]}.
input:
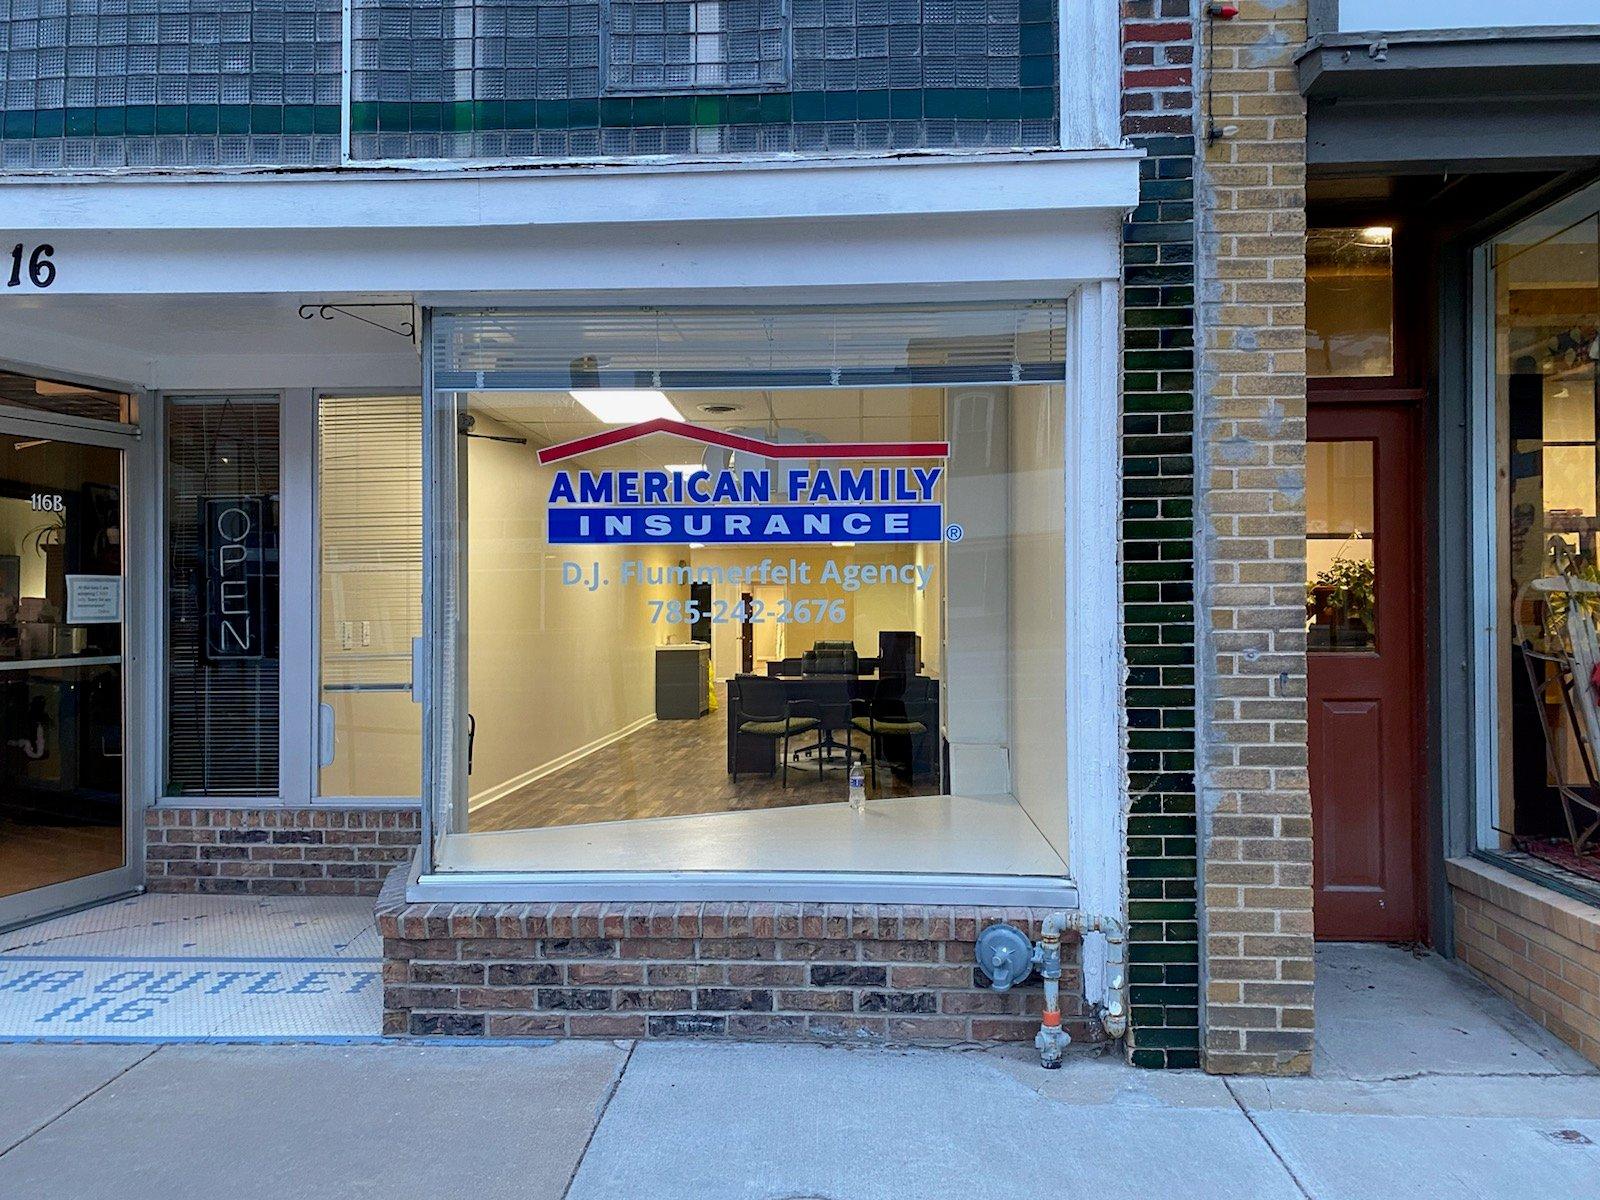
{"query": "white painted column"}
{"type": "Point", "coordinates": [1096, 722]}
{"type": "Point", "coordinates": [297, 598]}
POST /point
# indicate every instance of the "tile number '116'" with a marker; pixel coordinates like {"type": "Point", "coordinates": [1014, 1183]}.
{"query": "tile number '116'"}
{"type": "Point", "coordinates": [41, 271]}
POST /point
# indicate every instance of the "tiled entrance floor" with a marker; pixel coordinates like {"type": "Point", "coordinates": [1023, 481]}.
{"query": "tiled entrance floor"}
{"type": "Point", "coordinates": [195, 968]}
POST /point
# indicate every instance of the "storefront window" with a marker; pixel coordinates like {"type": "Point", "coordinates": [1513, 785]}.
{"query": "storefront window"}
{"type": "Point", "coordinates": [703, 568]}
{"type": "Point", "coordinates": [369, 488]}
{"type": "Point", "coordinates": [222, 596]}
{"type": "Point", "coordinates": [1545, 276]}
{"type": "Point", "coordinates": [1350, 302]}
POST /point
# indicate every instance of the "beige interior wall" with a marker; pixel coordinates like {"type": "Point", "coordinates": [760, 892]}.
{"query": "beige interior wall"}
{"type": "Point", "coordinates": [551, 668]}
{"type": "Point", "coordinates": [17, 521]}
{"type": "Point", "coordinates": [1036, 628]}
{"type": "Point", "coordinates": [976, 711]}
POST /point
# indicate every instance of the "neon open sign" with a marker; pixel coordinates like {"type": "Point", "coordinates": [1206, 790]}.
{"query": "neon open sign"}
{"type": "Point", "coordinates": [235, 601]}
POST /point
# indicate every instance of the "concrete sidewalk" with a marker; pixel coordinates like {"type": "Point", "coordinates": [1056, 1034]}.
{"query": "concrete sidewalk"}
{"type": "Point", "coordinates": [1428, 1086]}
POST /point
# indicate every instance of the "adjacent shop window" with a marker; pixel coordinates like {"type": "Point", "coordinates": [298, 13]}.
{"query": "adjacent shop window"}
{"type": "Point", "coordinates": [369, 472]}
{"type": "Point", "coordinates": [1350, 302]}
{"type": "Point", "coordinates": [1341, 582]}
{"type": "Point", "coordinates": [1545, 279]}
{"type": "Point", "coordinates": [222, 596]}
{"type": "Point", "coordinates": [710, 564]}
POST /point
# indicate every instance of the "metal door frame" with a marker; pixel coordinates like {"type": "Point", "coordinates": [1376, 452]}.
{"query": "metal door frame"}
{"type": "Point", "coordinates": [140, 695]}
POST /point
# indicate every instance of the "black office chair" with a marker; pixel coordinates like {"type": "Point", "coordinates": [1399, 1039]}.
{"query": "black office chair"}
{"type": "Point", "coordinates": [898, 708]}
{"type": "Point", "coordinates": [762, 708]}
{"type": "Point", "coordinates": [831, 658]}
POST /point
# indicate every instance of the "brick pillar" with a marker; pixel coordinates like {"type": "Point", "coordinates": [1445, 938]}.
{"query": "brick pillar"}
{"type": "Point", "coordinates": [1158, 115]}
{"type": "Point", "coordinates": [1255, 803]}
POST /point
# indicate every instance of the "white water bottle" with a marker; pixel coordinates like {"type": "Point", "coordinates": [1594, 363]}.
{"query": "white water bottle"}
{"type": "Point", "coordinates": [858, 785]}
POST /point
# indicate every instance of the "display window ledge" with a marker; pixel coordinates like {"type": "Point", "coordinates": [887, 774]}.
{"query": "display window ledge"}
{"type": "Point", "coordinates": [922, 850]}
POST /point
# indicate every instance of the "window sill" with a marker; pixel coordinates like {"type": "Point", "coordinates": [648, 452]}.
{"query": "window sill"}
{"type": "Point", "coordinates": [918, 850]}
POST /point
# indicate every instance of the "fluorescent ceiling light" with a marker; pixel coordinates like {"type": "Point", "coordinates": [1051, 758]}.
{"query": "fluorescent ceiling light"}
{"type": "Point", "coordinates": [626, 406]}
{"type": "Point", "coordinates": [1377, 235]}
{"type": "Point", "coordinates": [685, 468]}
{"type": "Point", "coordinates": [697, 545]}
{"type": "Point", "coordinates": [844, 545]}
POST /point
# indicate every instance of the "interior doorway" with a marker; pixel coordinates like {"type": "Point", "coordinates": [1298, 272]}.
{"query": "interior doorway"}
{"type": "Point", "coordinates": [65, 834]}
{"type": "Point", "coordinates": [1365, 698]}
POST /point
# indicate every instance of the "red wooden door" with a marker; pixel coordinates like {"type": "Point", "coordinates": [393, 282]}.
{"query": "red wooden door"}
{"type": "Point", "coordinates": [1363, 603]}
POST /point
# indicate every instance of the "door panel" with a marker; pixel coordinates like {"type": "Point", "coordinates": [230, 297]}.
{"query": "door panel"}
{"type": "Point", "coordinates": [1362, 659]}
{"type": "Point", "coordinates": [62, 790]}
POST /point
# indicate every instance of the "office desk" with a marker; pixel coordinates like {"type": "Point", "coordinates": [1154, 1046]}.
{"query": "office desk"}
{"type": "Point", "coordinates": [832, 694]}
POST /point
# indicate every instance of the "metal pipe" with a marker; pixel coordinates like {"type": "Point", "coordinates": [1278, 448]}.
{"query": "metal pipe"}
{"type": "Point", "coordinates": [1007, 956]}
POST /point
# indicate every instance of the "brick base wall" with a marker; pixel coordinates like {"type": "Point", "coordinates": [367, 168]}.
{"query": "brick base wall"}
{"type": "Point", "coordinates": [277, 851]}
{"type": "Point", "coordinates": [880, 973]}
{"type": "Point", "coordinates": [1536, 947]}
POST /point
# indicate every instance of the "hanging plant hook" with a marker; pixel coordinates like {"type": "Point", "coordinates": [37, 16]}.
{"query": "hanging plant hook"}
{"type": "Point", "coordinates": [407, 329]}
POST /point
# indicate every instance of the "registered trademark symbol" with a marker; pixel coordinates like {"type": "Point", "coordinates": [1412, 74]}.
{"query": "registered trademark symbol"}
{"type": "Point", "coordinates": [954, 533]}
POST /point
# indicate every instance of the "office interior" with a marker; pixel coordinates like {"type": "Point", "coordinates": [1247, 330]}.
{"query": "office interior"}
{"type": "Point", "coordinates": [604, 730]}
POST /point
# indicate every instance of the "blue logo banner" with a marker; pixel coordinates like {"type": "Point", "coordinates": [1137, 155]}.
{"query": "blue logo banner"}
{"type": "Point", "coordinates": [647, 525]}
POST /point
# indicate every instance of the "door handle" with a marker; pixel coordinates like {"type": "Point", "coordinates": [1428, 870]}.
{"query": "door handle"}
{"type": "Point", "coordinates": [419, 669]}
{"type": "Point", "coordinates": [472, 733]}
{"type": "Point", "coordinates": [325, 731]}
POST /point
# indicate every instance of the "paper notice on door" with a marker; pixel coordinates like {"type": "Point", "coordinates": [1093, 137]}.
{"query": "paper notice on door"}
{"type": "Point", "coordinates": [94, 599]}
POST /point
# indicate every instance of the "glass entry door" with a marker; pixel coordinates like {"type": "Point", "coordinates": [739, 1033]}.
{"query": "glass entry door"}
{"type": "Point", "coordinates": [63, 811]}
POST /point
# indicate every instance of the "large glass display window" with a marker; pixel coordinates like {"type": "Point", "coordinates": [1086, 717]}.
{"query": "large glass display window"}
{"type": "Point", "coordinates": [749, 590]}
{"type": "Point", "coordinates": [1540, 795]}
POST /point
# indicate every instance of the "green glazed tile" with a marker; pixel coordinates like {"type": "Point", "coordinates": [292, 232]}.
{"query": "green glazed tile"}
{"type": "Point", "coordinates": [872, 106]}
{"type": "Point", "coordinates": [809, 107]}
{"type": "Point", "coordinates": [427, 117]}
{"type": "Point", "coordinates": [141, 120]}
{"type": "Point", "coordinates": [80, 122]}
{"type": "Point", "coordinates": [298, 118]}
{"type": "Point", "coordinates": [551, 114]}
{"type": "Point", "coordinates": [18, 124]}
{"type": "Point", "coordinates": [266, 118]}
{"type": "Point", "coordinates": [171, 118]}
{"type": "Point", "coordinates": [203, 118]}
{"type": "Point", "coordinates": [363, 116]}
{"type": "Point", "coordinates": [521, 114]}
{"type": "Point", "coordinates": [394, 116]}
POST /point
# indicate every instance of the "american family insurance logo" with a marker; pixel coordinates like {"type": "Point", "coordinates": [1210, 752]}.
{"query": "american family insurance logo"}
{"type": "Point", "coordinates": [796, 498]}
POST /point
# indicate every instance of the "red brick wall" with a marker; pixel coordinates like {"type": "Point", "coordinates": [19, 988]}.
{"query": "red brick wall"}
{"type": "Point", "coordinates": [277, 851]}
{"type": "Point", "coordinates": [828, 972]}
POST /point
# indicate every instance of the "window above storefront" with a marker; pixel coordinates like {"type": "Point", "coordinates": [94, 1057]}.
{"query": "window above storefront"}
{"type": "Point", "coordinates": [299, 83]}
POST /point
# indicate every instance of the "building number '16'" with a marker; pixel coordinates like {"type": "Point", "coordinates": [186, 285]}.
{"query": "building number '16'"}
{"type": "Point", "coordinates": [41, 271]}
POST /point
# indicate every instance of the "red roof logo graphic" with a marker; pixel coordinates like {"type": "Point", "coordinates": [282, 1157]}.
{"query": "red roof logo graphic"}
{"type": "Point", "coordinates": [747, 445]}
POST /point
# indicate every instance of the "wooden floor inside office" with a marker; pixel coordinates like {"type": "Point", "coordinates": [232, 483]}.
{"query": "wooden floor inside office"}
{"type": "Point", "coordinates": [675, 769]}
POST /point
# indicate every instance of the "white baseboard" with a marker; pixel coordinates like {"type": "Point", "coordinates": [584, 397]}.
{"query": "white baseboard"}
{"type": "Point", "coordinates": [517, 782]}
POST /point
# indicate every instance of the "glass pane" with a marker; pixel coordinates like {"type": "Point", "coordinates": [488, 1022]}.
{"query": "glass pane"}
{"type": "Point", "coordinates": [370, 507]}
{"type": "Point", "coordinates": [196, 83]}
{"type": "Point", "coordinates": [222, 596]}
{"type": "Point", "coordinates": [60, 662]}
{"type": "Point", "coordinates": [1546, 281]}
{"type": "Point", "coordinates": [584, 79]}
{"type": "Point", "coordinates": [66, 399]}
{"type": "Point", "coordinates": [1349, 302]}
{"type": "Point", "coordinates": [1341, 585]}
{"type": "Point", "coordinates": [722, 596]}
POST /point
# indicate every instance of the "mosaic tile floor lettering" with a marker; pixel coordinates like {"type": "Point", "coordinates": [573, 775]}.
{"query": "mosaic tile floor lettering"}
{"type": "Point", "coordinates": [195, 968]}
